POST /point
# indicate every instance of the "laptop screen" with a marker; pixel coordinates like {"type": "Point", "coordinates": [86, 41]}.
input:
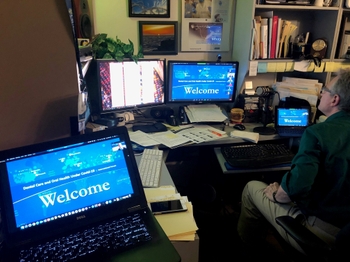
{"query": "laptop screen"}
{"type": "Point", "coordinates": [292, 117]}
{"type": "Point", "coordinates": [68, 180]}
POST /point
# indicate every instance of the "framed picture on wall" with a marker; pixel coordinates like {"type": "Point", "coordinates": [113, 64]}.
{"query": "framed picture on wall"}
{"type": "Point", "coordinates": [158, 38]}
{"type": "Point", "coordinates": [206, 25]}
{"type": "Point", "coordinates": [149, 8]}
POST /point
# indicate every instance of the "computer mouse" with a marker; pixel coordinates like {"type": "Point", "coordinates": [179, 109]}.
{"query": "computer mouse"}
{"type": "Point", "coordinates": [239, 126]}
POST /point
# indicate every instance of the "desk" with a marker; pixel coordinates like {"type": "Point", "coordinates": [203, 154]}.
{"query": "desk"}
{"type": "Point", "coordinates": [188, 250]}
{"type": "Point", "coordinates": [195, 166]}
{"type": "Point", "coordinates": [165, 178]}
{"type": "Point", "coordinates": [231, 140]}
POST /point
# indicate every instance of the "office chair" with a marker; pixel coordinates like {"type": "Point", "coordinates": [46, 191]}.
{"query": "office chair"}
{"type": "Point", "coordinates": [314, 247]}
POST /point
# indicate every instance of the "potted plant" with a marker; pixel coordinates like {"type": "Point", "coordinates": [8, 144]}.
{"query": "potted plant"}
{"type": "Point", "coordinates": [104, 47]}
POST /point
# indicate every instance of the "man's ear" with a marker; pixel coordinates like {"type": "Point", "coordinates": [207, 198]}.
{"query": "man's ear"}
{"type": "Point", "coordinates": [335, 100]}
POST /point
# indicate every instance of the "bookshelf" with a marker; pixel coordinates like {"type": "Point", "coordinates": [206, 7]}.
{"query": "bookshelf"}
{"type": "Point", "coordinates": [331, 23]}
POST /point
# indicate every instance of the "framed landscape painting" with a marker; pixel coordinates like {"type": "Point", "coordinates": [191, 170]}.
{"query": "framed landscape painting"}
{"type": "Point", "coordinates": [149, 8]}
{"type": "Point", "coordinates": [158, 38]}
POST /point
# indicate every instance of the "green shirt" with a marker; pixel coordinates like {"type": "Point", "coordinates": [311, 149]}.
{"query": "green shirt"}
{"type": "Point", "coordinates": [319, 179]}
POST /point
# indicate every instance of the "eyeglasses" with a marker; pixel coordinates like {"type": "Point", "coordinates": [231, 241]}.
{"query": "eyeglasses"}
{"type": "Point", "coordinates": [325, 89]}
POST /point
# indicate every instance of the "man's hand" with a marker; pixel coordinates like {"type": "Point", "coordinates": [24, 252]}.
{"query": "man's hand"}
{"type": "Point", "coordinates": [270, 189]}
{"type": "Point", "coordinates": [281, 195]}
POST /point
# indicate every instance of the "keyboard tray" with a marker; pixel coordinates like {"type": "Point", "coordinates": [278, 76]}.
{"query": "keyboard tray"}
{"type": "Point", "coordinates": [257, 155]}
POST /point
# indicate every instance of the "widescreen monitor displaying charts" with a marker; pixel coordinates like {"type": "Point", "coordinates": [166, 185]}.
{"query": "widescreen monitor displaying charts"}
{"type": "Point", "coordinates": [130, 85]}
{"type": "Point", "coordinates": [201, 82]}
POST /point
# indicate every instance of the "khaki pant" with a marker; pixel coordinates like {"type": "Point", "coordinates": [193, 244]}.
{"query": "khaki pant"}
{"type": "Point", "coordinates": [257, 210]}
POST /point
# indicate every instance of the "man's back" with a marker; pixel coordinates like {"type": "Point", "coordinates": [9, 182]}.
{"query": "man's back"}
{"type": "Point", "coordinates": [323, 191]}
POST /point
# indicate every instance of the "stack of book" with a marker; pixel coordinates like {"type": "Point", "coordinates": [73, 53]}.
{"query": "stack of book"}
{"type": "Point", "coordinates": [271, 36]}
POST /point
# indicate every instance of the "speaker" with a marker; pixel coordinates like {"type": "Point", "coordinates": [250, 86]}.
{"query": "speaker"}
{"type": "Point", "coordinates": [82, 19]}
{"type": "Point", "coordinates": [161, 112]}
{"type": "Point", "coordinates": [183, 116]}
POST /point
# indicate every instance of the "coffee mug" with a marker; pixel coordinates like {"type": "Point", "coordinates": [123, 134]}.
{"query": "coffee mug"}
{"type": "Point", "coordinates": [237, 115]}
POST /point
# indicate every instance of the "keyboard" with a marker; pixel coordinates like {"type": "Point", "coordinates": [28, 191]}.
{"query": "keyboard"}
{"type": "Point", "coordinates": [257, 155]}
{"type": "Point", "coordinates": [92, 243]}
{"type": "Point", "coordinates": [150, 167]}
{"type": "Point", "coordinates": [290, 132]}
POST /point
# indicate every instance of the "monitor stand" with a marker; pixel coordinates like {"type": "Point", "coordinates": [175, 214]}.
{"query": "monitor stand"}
{"type": "Point", "coordinates": [264, 130]}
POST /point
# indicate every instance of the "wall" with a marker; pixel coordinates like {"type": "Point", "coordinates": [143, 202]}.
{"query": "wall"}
{"type": "Point", "coordinates": [38, 82]}
{"type": "Point", "coordinates": [112, 17]}
{"type": "Point", "coordinates": [38, 77]}
{"type": "Point", "coordinates": [241, 41]}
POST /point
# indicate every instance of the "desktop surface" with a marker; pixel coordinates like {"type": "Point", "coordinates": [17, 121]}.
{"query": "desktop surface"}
{"type": "Point", "coordinates": [235, 140]}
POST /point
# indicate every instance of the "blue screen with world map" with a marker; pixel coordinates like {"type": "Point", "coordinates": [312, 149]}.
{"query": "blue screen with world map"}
{"type": "Point", "coordinates": [199, 82]}
{"type": "Point", "coordinates": [62, 181]}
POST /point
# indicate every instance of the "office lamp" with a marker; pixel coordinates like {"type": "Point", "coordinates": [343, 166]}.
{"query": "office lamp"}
{"type": "Point", "coordinates": [266, 95]}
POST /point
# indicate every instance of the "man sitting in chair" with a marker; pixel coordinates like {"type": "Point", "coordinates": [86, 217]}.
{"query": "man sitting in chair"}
{"type": "Point", "coordinates": [318, 185]}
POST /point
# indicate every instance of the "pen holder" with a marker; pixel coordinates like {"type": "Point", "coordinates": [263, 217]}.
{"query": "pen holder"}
{"type": "Point", "coordinates": [251, 116]}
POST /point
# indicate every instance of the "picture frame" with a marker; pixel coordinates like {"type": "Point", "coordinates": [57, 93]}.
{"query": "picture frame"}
{"type": "Point", "coordinates": [159, 38]}
{"type": "Point", "coordinates": [141, 8]}
{"type": "Point", "coordinates": [207, 26]}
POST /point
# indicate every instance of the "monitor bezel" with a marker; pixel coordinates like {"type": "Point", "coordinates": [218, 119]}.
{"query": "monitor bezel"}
{"type": "Point", "coordinates": [168, 89]}
{"type": "Point", "coordinates": [131, 107]}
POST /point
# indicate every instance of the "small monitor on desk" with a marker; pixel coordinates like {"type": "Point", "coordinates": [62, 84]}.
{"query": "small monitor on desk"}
{"type": "Point", "coordinates": [195, 82]}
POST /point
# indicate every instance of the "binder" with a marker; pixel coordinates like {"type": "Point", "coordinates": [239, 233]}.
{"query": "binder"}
{"type": "Point", "coordinates": [257, 25]}
{"type": "Point", "coordinates": [274, 36]}
{"type": "Point", "coordinates": [278, 37]}
{"type": "Point", "coordinates": [264, 36]}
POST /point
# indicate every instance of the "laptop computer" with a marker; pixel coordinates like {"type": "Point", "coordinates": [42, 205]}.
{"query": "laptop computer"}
{"type": "Point", "coordinates": [51, 190]}
{"type": "Point", "coordinates": [291, 121]}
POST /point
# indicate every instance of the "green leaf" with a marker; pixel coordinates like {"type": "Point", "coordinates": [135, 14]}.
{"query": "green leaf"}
{"type": "Point", "coordinates": [105, 47]}
{"type": "Point", "coordinates": [119, 54]}
{"type": "Point", "coordinates": [107, 56]}
{"type": "Point", "coordinates": [111, 47]}
{"type": "Point", "coordinates": [99, 39]}
{"type": "Point", "coordinates": [127, 49]}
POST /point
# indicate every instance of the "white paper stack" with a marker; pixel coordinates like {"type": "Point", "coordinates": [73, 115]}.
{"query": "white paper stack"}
{"type": "Point", "coordinates": [245, 135]}
{"type": "Point", "coordinates": [205, 113]}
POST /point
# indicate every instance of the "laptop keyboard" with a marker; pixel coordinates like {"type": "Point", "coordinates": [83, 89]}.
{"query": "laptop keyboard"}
{"type": "Point", "coordinates": [110, 237]}
{"type": "Point", "coordinates": [291, 132]}
{"type": "Point", "coordinates": [150, 167]}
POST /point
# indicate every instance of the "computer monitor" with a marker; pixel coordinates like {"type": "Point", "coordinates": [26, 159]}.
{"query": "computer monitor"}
{"type": "Point", "coordinates": [129, 85]}
{"type": "Point", "coordinates": [201, 82]}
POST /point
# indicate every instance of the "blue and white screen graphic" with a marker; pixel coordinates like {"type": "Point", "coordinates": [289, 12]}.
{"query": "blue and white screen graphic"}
{"type": "Point", "coordinates": [66, 180]}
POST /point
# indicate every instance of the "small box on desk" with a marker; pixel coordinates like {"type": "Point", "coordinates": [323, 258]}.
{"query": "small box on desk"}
{"type": "Point", "coordinates": [93, 127]}
{"type": "Point", "coordinates": [250, 104]}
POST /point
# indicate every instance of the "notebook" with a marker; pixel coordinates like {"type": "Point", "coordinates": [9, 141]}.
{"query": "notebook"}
{"type": "Point", "coordinates": [291, 121]}
{"type": "Point", "coordinates": [51, 190]}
